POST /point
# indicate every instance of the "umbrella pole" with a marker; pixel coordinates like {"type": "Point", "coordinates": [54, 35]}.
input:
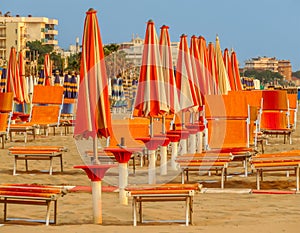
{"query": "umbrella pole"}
{"type": "Point", "coordinates": [123, 181]}
{"type": "Point", "coordinates": [151, 168]}
{"type": "Point", "coordinates": [163, 160]}
{"type": "Point", "coordinates": [151, 127]}
{"type": "Point", "coordinates": [95, 150]}
{"type": "Point", "coordinates": [163, 124]}
{"type": "Point", "coordinates": [97, 201]}
{"type": "Point", "coordinates": [174, 152]}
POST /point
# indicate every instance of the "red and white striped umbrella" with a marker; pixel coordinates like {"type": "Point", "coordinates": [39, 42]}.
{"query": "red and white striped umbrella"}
{"type": "Point", "coordinates": [236, 72]}
{"type": "Point", "coordinates": [212, 69]}
{"type": "Point", "coordinates": [203, 57]}
{"type": "Point", "coordinates": [93, 116]}
{"type": "Point", "coordinates": [151, 100]}
{"type": "Point", "coordinates": [13, 77]}
{"type": "Point", "coordinates": [223, 80]}
{"type": "Point", "coordinates": [198, 79]}
{"type": "Point", "coordinates": [168, 70]}
{"type": "Point", "coordinates": [184, 77]}
{"type": "Point", "coordinates": [47, 70]}
{"type": "Point", "coordinates": [23, 82]}
{"type": "Point", "coordinates": [228, 67]}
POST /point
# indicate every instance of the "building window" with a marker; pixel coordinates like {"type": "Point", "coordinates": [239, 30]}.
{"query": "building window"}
{"type": "Point", "coordinates": [16, 42]}
{"type": "Point", "coordinates": [16, 31]}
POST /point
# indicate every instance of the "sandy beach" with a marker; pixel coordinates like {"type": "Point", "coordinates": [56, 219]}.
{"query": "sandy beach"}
{"type": "Point", "coordinates": [235, 209]}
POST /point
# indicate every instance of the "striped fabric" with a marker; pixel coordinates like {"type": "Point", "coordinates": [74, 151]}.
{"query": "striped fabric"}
{"type": "Point", "coordinates": [47, 70]}
{"type": "Point", "coordinates": [93, 117]}
{"type": "Point", "coordinates": [236, 72]}
{"type": "Point", "coordinates": [197, 74]}
{"type": "Point", "coordinates": [223, 79]}
{"type": "Point", "coordinates": [23, 81]}
{"type": "Point", "coordinates": [212, 70]}
{"type": "Point", "coordinates": [184, 77]}
{"type": "Point", "coordinates": [41, 78]}
{"type": "Point", "coordinates": [203, 57]}
{"type": "Point", "coordinates": [13, 77]}
{"type": "Point", "coordinates": [151, 98]}
{"type": "Point", "coordinates": [168, 71]}
{"type": "Point", "coordinates": [3, 79]}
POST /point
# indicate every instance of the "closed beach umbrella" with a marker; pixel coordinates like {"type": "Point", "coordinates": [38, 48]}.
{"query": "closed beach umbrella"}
{"type": "Point", "coordinates": [203, 58]}
{"type": "Point", "coordinates": [228, 67]}
{"type": "Point", "coordinates": [3, 79]}
{"type": "Point", "coordinates": [184, 77]}
{"type": "Point", "coordinates": [73, 87]}
{"type": "Point", "coordinates": [56, 78]}
{"type": "Point", "coordinates": [23, 81]}
{"type": "Point", "coordinates": [13, 77]}
{"type": "Point", "coordinates": [212, 69]}
{"type": "Point", "coordinates": [223, 80]}
{"type": "Point", "coordinates": [151, 100]}
{"type": "Point", "coordinates": [236, 72]}
{"type": "Point", "coordinates": [47, 70]}
{"type": "Point", "coordinates": [168, 71]}
{"type": "Point", "coordinates": [41, 78]}
{"type": "Point", "coordinates": [66, 86]}
{"type": "Point", "coordinates": [93, 118]}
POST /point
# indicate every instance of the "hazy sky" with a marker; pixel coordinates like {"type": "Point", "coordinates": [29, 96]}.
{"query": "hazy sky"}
{"type": "Point", "coordinates": [253, 28]}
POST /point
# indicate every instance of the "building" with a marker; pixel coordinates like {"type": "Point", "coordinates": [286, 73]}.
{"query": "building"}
{"type": "Point", "coordinates": [134, 50]}
{"type": "Point", "coordinates": [17, 31]}
{"type": "Point", "coordinates": [283, 67]}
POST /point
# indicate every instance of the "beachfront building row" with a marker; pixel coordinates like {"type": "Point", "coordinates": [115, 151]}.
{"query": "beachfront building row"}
{"type": "Point", "coordinates": [17, 30]}
{"type": "Point", "coordinates": [283, 67]}
{"type": "Point", "coordinates": [134, 50]}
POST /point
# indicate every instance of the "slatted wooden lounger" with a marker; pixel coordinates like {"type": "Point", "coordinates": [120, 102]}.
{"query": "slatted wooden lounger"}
{"type": "Point", "coordinates": [27, 194]}
{"type": "Point", "coordinates": [204, 162]}
{"type": "Point", "coordinates": [276, 162]}
{"type": "Point", "coordinates": [163, 192]}
{"type": "Point", "coordinates": [37, 153]}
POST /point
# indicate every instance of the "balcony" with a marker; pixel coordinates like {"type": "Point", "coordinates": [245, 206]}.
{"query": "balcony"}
{"type": "Point", "coordinates": [49, 42]}
{"type": "Point", "coordinates": [51, 32]}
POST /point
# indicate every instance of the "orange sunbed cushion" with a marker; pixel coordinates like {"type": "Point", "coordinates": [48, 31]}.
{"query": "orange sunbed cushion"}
{"type": "Point", "coordinates": [275, 100]}
{"type": "Point", "coordinates": [6, 102]}
{"type": "Point", "coordinates": [48, 94]}
{"type": "Point", "coordinates": [45, 114]}
{"type": "Point", "coordinates": [274, 120]}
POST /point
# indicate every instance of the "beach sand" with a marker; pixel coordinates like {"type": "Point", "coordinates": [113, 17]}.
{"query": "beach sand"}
{"type": "Point", "coordinates": [233, 210]}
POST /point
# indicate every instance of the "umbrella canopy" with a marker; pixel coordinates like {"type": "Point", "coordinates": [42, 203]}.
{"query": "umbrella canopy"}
{"type": "Point", "coordinates": [56, 78]}
{"type": "Point", "coordinates": [151, 97]}
{"type": "Point", "coordinates": [197, 71]}
{"type": "Point", "coordinates": [41, 78]}
{"type": "Point", "coordinates": [23, 81]}
{"type": "Point", "coordinates": [228, 67]}
{"type": "Point", "coordinates": [236, 72]}
{"type": "Point", "coordinates": [184, 77]}
{"type": "Point", "coordinates": [212, 69]}
{"type": "Point", "coordinates": [13, 77]}
{"type": "Point", "coordinates": [168, 71]}
{"type": "Point", "coordinates": [47, 70]}
{"type": "Point", "coordinates": [223, 80]}
{"type": "Point", "coordinates": [73, 87]}
{"type": "Point", "coordinates": [66, 86]}
{"type": "Point", "coordinates": [203, 58]}
{"type": "Point", "coordinates": [93, 116]}
{"type": "Point", "coordinates": [3, 79]}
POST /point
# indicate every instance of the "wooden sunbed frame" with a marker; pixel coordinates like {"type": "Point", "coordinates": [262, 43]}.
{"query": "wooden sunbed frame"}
{"type": "Point", "coordinates": [276, 162]}
{"type": "Point", "coordinates": [27, 194]}
{"type": "Point", "coordinates": [37, 153]}
{"type": "Point", "coordinates": [162, 193]}
{"type": "Point", "coordinates": [204, 162]}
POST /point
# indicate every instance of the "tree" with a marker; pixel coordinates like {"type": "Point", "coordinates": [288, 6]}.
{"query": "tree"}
{"type": "Point", "coordinates": [296, 74]}
{"type": "Point", "coordinates": [40, 48]}
{"type": "Point", "coordinates": [74, 62]}
{"type": "Point", "coordinates": [265, 76]}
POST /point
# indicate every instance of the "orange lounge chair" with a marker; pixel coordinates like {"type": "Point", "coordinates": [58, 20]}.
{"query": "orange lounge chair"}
{"type": "Point", "coordinates": [37, 153]}
{"type": "Point", "coordinates": [227, 126]}
{"type": "Point", "coordinates": [275, 114]}
{"type": "Point", "coordinates": [284, 161]}
{"type": "Point", "coordinates": [204, 162]}
{"type": "Point", "coordinates": [45, 112]}
{"type": "Point", "coordinates": [6, 109]}
{"type": "Point", "coordinates": [162, 193]}
{"type": "Point", "coordinates": [31, 194]}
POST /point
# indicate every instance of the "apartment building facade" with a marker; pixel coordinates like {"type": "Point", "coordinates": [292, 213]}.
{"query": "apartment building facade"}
{"type": "Point", "coordinates": [16, 31]}
{"type": "Point", "coordinates": [283, 67]}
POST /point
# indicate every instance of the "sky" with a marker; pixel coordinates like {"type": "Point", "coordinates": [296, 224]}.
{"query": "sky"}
{"type": "Point", "coordinates": [252, 28]}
